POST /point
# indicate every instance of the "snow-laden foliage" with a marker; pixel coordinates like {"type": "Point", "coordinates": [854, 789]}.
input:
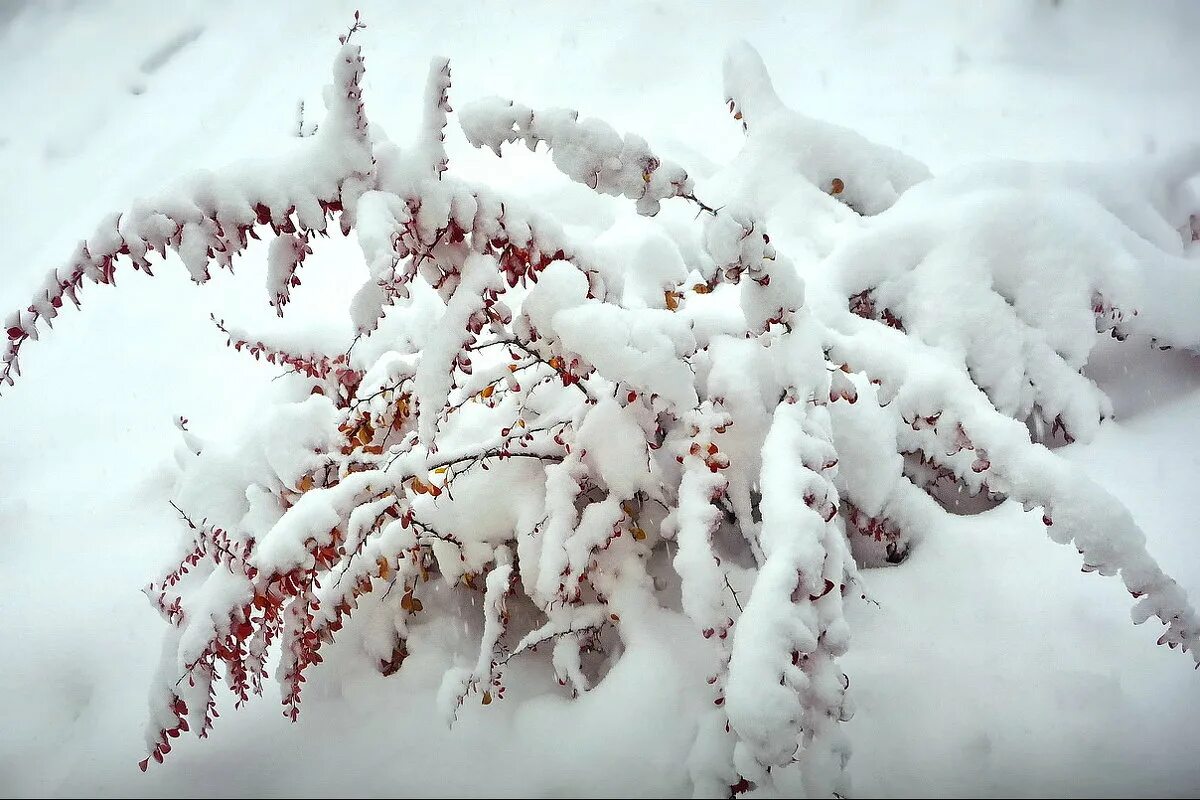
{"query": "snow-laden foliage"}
{"type": "Point", "coordinates": [575, 434]}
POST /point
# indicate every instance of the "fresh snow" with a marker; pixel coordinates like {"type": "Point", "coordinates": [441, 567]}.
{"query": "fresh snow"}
{"type": "Point", "coordinates": [985, 664]}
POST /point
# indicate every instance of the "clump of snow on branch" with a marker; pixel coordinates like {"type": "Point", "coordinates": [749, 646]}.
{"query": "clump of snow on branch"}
{"type": "Point", "coordinates": [786, 149]}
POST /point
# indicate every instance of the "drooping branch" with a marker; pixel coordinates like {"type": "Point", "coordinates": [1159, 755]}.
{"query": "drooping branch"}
{"type": "Point", "coordinates": [587, 151]}
{"type": "Point", "coordinates": [210, 219]}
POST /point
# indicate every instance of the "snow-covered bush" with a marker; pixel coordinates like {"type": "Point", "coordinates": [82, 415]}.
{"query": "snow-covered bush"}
{"type": "Point", "coordinates": [573, 434]}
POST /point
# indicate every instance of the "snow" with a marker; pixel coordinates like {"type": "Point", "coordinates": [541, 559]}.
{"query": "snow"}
{"type": "Point", "coordinates": [614, 448]}
{"type": "Point", "coordinates": [990, 665]}
{"type": "Point", "coordinates": [432, 380]}
{"type": "Point", "coordinates": [835, 160]}
{"type": "Point", "coordinates": [588, 151]}
{"type": "Point", "coordinates": [642, 350]}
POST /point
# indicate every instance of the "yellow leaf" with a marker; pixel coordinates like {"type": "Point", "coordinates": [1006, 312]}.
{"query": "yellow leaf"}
{"type": "Point", "coordinates": [385, 569]}
{"type": "Point", "coordinates": [487, 391]}
{"type": "Point", "coordinates": [672, 299]}
{"type": "Point", "coordinates": [639, 534]}
{"type": "Point", "coordinates": [440, 471]}
{"type": "Point", "coordinates": [305, 484]}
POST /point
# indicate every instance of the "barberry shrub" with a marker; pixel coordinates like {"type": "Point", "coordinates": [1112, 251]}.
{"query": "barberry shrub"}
{"type": "Point", "coordinates": [575, 434]}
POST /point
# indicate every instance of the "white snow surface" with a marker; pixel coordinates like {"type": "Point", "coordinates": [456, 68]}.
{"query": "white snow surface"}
{"type": "Point", "coordinates": [988, 665]}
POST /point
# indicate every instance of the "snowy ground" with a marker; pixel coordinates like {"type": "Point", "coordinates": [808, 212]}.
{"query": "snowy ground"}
{"type": "Point", "coordinates": [991, 666]}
